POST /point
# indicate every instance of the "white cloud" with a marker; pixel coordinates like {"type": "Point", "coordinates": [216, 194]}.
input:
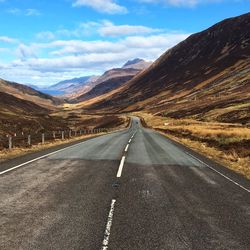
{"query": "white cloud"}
{"type": "Point", "coordinates": [7, 39]}
{"type": "Point", "coordinates": [24, 52]}
{"type": "Point", "coordinates": [109, 29]}
{"type": "Point", "coordinates": [106, 28]}
{"type": "Point", "coordinates": [45, 35]}
{"type": "Point", "coordinates": [14, 11]}
{"type": "Point", "coordinates": [105, 6]}
{"type": "Point", "coordinates": [26, 12]}
{"type": "Point", "coordinates": [32, 12]}
{"type": "Point", "coordinates": [77, 55]}
{"type": "Point", "coordinates": [49, 61]}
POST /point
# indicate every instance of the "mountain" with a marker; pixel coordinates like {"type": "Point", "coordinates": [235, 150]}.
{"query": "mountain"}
{"type": "Point", "coordinates": [114, 78]}
{"type": "Point", "coordinates": [67, 87]}
{"type": "Point", "coordinates": [207, 77]}
{"type": "Point", "coordinates": [64, 85]}
{"type": "Point", "coordinates": [137, 63]}
{"type": "Point", "coordinates": [80, 88]}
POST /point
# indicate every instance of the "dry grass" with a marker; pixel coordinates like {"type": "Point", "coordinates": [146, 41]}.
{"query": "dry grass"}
{"type": "Point", "coordinates": [19, 151]}
{"type": "Point", "coordinates": [228, 144]}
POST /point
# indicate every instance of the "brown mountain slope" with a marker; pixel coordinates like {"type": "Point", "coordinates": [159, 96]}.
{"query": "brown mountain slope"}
{"type": "Point", "coordinates": [108, 82]}
{"type": "Point", "coordinates": [23, 109]}
{"type": "Point", "coordinates": [29, 94]}
{"type": "Point", "coordinates": [207, 76]}
{"type": "Point", "coordinates": [114, 78]}
{"type": "Point", "coordinates": [18, 115]}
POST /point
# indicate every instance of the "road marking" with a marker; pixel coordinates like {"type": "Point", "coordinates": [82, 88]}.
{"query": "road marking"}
{"type": "Point", "coordinates": [119, 173]}
{"type": "Point", "coordinates": [108, 226]}
{"type": "Point", "coordinates": [126, 149]}
{"type": "Point", "coordinates": [129, 141]}
{"type": "Point", "coordinates": [41, 157]}
{"type": "Point", "coordinates": [237, 184]}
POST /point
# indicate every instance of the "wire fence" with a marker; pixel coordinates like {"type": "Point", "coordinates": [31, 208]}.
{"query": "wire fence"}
{"type": "Point", "coordinates": [27, 140]}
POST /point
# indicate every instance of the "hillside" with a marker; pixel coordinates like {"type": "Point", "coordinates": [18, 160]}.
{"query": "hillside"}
{"type": "Point", "coordinates": [29, 94]}
{"type": "Point", "coordinates": [206, 77]}
{"type": "Point", "coordinates": [114, 78]}
{"type": "Point", "coordinates": [19, 115]}
{"type": "Point", "coordinates": [25, 109]}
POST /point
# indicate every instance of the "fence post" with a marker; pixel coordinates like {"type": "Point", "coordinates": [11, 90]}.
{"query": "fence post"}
{"type": "Point", "coordinates": [54, 134]}
{"type": "Point", "coordinates": [43, 138]}
{"type": "Point", "coordinates": [62, 135]}
{"type": "Point", "coordinates": [29, 140]}
{"type": "Point", "coordinates": [69, 133]}
{"type": "Point", "coordinates": [10, 142]}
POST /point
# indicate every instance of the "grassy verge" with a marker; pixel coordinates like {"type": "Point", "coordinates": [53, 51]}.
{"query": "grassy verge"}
{"type": "Point", "coordinates": [228, 144]}
{"type": "Point", "coordinates": [6, 154]}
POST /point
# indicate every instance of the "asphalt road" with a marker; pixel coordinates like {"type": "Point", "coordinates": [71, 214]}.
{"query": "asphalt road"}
{"type": "Point", "coordinates": [132, 189]}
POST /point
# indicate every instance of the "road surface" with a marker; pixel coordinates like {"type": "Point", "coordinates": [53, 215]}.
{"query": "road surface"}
{"type": "Point", "coordinates": [132, 189]}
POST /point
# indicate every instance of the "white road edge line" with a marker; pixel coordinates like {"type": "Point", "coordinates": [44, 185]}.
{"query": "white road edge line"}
{"type": "Point", "coordinates": [129, 141]}
{"type": "Point", "coordinates": [126, 149]}
{"type": "Point", "coordinates": [38, 158]}
{"type": "Point", "coordinates": [237, 184]}
{"type": "Point", "coordinates": [119, 173]}
{"type": "Point", "coordinates": [108, 226]}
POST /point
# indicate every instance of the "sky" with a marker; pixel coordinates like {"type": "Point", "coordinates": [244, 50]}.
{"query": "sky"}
{"type": "Point", "coordinates": [44, 42]}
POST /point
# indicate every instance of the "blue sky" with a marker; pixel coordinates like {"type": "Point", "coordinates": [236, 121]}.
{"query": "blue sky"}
{"type": "Point", "coordinates": [43, 42]}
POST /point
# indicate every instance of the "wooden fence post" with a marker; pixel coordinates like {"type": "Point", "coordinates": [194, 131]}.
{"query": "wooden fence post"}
{"type": "Point", "coordinates": [10, 142]}
{"type": "Point", "coordinates": [62, 135]}
{"type": "Point", "coordinates": [54, 134]}
{"type": "Point", "coordinates": [29, 140]}
{"type": "Point", "coordinates": [43, 138]}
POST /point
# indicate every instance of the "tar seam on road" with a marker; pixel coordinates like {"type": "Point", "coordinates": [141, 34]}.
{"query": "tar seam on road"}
{"type": "Point", "coordinates": [39, 158]}
{"type": "Point", "coordinates": [119, 173]}
{"type": "Point", "coordinates": [108, 226]}
{"type": "Point", "coordinates": [237, 184]}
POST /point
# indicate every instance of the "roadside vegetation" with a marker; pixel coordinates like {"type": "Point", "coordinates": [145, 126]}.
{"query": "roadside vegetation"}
{"type": "Point", "coordinates": [228, 144]}
{"type": "Point", "coordinates": [72, 120]}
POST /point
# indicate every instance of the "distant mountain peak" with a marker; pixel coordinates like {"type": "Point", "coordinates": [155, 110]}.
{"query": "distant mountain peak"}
{"type": "Point", "coordinates": [136, 63]}
{"type": "Point", "coordinates": [132, 62]}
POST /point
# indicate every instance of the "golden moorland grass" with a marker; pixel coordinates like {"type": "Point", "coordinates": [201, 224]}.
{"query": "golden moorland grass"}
{"type": "Point", "coordinates": [228, 144]}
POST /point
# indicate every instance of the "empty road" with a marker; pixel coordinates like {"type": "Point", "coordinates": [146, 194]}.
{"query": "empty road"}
{"type": "Point", "coordinates": [133, 189]}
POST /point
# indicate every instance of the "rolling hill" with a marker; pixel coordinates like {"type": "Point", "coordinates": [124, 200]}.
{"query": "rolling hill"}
{"type": "Point", "coordinates": [29, 94]}
{"type": "Point", "coordinates": [205, 77]}
{"type": "Point", "coordinates": [24, 109]}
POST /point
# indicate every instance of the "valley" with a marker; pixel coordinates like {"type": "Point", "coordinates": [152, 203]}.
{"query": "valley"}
{"type": "Point", "coordinates": [200, 87]}
{"type": "Point", "coordinates": [125, 125]}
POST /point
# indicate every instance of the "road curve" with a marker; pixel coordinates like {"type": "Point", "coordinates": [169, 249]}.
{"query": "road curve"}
{"type": "Point", "coordinates": [133, 189]}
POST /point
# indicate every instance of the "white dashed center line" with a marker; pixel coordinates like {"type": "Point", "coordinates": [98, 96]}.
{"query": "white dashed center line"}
{"type": "Point", "coordinates": [108, 226]}
{"type": "Point", "coordinates": [126, 149]}
{"type": "Point", "coordinates": [119, 173]}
